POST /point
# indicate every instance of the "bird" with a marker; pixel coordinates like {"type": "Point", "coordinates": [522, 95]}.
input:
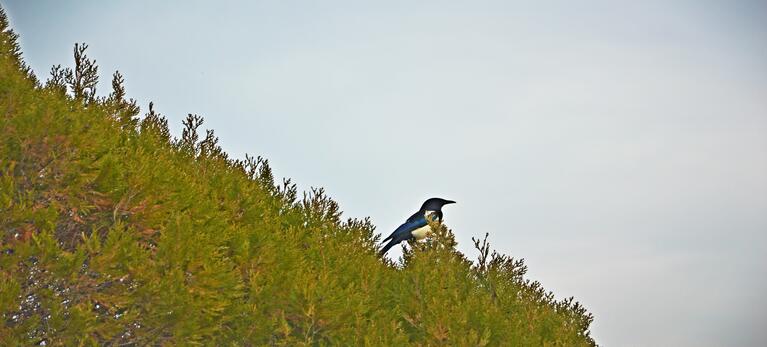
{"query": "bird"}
{"type": "Point", "coordinates": [417, 226]}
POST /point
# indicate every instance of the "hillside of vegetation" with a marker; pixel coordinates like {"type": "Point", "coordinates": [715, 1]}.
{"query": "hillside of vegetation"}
{"type": "Point", "coordinates": [114, 233]}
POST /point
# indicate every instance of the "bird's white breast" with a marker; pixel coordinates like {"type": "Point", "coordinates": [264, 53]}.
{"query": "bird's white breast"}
{"type": "Point", "coordinates": [421, 232]}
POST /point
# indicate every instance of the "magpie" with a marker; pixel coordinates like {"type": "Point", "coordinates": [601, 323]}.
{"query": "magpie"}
{"type": "Point", "coordinates": [417, 226]}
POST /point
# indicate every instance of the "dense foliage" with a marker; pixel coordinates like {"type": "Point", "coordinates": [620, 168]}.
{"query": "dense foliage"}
{"type": "Point", "coordinates": [115, 233]}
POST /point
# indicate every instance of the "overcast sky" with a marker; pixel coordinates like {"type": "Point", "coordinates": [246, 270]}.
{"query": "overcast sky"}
{"type": "Point", "coordinates": [619, 147]}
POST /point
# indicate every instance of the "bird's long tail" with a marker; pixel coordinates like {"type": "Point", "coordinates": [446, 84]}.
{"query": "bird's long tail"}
{"type": "Point", "coordinates": [387, 247]}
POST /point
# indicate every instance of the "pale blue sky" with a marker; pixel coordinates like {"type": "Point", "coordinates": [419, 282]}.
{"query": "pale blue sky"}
{"type": "Point", "coordinates": [620, 148]}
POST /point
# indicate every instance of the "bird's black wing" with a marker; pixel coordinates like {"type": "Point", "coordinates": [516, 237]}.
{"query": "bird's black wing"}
{"type": "Point", "coordinates": [414, 217]}
{"type": "Point", "coordinates": [403, 232]}
{"type": "Point", "coordinates": [413, 222]}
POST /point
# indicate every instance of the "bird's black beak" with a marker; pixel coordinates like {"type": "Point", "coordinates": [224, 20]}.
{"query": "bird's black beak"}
{"type": "Point", "coordinates": [449, 202]}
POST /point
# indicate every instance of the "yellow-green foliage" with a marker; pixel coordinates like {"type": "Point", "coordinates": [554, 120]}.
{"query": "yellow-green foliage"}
{"type": "Point", "coordinates": [113, 233]}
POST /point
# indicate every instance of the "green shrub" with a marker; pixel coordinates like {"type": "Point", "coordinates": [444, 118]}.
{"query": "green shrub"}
{"type": "Point", "coordinates": [114, 233]}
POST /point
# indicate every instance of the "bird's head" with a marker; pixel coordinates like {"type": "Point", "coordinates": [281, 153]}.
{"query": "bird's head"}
{"type": "Point", "coordinates": [435, 204]}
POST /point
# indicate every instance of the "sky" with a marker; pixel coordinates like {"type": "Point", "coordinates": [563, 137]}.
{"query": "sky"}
{"type": "Point", "coordinates": [620, 148]}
